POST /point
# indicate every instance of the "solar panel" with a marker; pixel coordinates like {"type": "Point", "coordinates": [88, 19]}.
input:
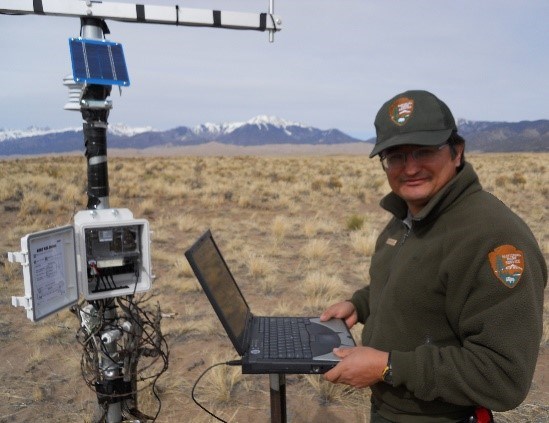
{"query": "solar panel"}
{"type": "Point", "coordinates": [98, 62]}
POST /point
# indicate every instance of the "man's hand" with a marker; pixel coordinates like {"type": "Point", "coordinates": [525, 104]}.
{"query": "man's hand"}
{"type": "Point", "coordinates": [360, 366]}
{"type": "Point", "coordinates": [344, 310]}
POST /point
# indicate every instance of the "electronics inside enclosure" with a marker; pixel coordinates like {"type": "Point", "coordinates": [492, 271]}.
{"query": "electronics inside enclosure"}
{"type": "Point", "coordinates": [105, 254]}
{"type": "Point", "coordinates": [114, 253]}
{"type": "Point", "coordinates": [113, 257]}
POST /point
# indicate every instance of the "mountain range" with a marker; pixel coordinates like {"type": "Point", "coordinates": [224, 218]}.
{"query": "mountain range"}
{"type": "Point", "coordinates": [262, 130]}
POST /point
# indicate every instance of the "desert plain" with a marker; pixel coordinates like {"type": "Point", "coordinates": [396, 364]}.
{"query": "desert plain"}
{"type": "Point", "coordinates": [297, 229]}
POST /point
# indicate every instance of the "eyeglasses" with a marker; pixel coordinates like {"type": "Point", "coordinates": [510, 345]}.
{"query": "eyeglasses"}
{"type": "Point", "coordinates": [422, 156]}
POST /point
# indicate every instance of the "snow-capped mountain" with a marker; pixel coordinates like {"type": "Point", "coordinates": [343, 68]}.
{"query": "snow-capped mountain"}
{"type": "Point", "coordinates": [261, 122]}
{"type": "Point", "coordinates": [259, 130]}
{"type": "Point", "coordinates": [32, 131]}
{"type": "Point", "coordinates": [123, 130]}
{"type": "Point", "coordinates": [263, 129]}
{"type": "Point", "coordinates": [505, 136]}
{"type": "Point", "coordinates": [119, 129]}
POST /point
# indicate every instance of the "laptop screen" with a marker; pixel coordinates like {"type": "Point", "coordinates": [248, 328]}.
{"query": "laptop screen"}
{"type": "Point", "coordinates": [220, 287]}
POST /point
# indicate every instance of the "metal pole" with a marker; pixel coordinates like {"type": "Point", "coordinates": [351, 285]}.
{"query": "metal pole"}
{"type": "Point", "coordinates": [95, 111]}
{"type": "Point", "coordinates": [95, 140]}
{"type": "Point", "coordinates": [110, 370]}
{"type": "Point", "coordinates": [271, 12]}
{"type": "Point", "coordinates": [278, 398]}
{"type": "Point", "coordinates": [95, 127]}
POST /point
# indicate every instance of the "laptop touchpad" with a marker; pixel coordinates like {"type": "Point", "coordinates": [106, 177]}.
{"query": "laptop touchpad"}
{"type": "Point", "coordinates": [323, 340]}
{"type": "Point", "coordinates": [324, 344]}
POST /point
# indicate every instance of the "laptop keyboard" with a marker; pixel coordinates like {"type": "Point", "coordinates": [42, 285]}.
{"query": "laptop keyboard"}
{"type": "Point", "coordinates": [282, 337]}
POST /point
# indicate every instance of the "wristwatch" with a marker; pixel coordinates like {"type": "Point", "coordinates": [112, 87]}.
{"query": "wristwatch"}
{"type": "Point", "coordinates": [387, 375]}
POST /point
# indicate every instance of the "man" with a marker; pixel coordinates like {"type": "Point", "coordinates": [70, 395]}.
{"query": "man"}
{"type": "Point", "coordinates": [453, 313]}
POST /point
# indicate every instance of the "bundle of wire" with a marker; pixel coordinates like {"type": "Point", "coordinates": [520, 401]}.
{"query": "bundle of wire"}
{"type": "Point", "coordinates": [139, 354]}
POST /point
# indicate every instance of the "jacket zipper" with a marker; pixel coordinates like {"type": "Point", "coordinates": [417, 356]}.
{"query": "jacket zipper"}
{"type": "Point", "coordinates": [404, 237]}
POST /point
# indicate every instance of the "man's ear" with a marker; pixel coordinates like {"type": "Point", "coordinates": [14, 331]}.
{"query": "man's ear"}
{"type": "Point", "coordinates": [459, 154]}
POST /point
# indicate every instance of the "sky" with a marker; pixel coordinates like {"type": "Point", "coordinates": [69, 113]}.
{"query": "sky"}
{"type": "Point", "coordinates": [333, 64]}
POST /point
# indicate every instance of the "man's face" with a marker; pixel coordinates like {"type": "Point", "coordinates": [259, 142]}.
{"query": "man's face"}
{"type": "Point", "coordinates": [417, 181]}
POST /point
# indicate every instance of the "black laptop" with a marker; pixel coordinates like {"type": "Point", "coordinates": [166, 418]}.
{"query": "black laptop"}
{"type": "Point", "coordinates": [266, 344]}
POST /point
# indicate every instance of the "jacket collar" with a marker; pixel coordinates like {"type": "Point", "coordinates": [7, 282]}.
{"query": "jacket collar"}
{"type": "Point", "coordinates": [466, 180]}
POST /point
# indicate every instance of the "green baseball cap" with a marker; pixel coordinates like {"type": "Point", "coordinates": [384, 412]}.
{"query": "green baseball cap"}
{"type": "Point", "coordinates": [414, 117]}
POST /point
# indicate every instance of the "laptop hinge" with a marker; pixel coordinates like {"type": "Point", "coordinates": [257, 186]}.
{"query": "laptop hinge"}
{"type": "Point", "coordinates": [248, 330]}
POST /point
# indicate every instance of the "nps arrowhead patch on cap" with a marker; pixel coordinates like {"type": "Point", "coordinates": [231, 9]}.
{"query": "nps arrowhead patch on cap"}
{"type": "Point", "coordinates": [507, 264]}
{"type": "Point", "coordinates": [401, 110]}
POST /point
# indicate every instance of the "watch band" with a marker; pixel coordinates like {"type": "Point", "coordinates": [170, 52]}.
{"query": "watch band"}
{"type": "Point", "coordinates": [387, 375]}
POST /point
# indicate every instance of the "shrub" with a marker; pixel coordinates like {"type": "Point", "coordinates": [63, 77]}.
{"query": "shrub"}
{"type": "Point", "coordinates": [355, 222]}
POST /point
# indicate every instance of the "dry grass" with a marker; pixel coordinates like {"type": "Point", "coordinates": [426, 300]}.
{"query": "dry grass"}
{"type": "Point", "coordinates": [258, 266]}
{"type": "Point", "coordinates": [297, 232]}
{"type": "Point", "coordinates": [316, 249]}
{"type": "Point", "coordinates": [364, 242]}
{"type": "Point", "coordinates": [320, 289]}
{"type": "Point", "coordinates": [280, 227]}
{"type": "Point", "coordinates": [181, 328]}
{"type": "Point", "coordinates": [318, 226]}
{"type": "Point", "coordinates": [221, 382]}
{"type": "Point", "coordinates": [328, 393]}
{"type": "Point", "coordinates": [36, 357]}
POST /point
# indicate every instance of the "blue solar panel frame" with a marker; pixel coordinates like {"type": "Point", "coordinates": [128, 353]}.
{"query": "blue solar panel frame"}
{"type": "Point", "coordinates": [98, 62]}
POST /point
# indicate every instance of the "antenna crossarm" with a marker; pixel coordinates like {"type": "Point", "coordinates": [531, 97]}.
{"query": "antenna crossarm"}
{"type": "Point", "coordinates": [141, 13]}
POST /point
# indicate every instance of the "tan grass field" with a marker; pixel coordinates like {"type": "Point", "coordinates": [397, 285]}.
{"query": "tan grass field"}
{"type": "Point", "coordinates": [297, 231]}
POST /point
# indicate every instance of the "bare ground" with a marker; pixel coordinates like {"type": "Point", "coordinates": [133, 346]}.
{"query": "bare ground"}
{"type": "Point", "coordinates": [40, 368]}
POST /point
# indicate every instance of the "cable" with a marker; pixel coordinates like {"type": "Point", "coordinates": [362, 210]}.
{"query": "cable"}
{"type": "Point", "coordinates": [140, 338]}
{"type": "Point", "coordinates": [151, 344]}
{"type": "Point", "coordinates": [226, 363]}
{"type": "Point", "coordinates": [273, 21]}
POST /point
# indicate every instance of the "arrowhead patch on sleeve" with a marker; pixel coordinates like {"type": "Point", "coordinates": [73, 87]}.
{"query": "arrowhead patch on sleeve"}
{"type": "Point", "coordinates": [507, 264]}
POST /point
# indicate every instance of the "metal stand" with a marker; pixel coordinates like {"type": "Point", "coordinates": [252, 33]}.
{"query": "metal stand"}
{"type": "Point", "coordinates": [111, 390]}
{"type": "Point", "coordinates": [278, 398]}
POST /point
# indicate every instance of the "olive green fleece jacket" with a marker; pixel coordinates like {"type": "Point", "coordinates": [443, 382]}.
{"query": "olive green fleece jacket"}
{"type": "Point", "coordinates": [458, 335]}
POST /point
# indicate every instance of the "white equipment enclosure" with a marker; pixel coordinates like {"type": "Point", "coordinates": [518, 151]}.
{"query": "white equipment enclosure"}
{"type": "Point", "coordinates": [106, 254]}
{"type": "Point", "coordinates": [113, 253]}
{"type": "Point", "coordinates": [49, 271]}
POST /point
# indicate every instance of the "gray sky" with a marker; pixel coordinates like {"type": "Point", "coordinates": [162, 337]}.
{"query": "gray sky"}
{"type": "Point", "coordinates": [332, 66]}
